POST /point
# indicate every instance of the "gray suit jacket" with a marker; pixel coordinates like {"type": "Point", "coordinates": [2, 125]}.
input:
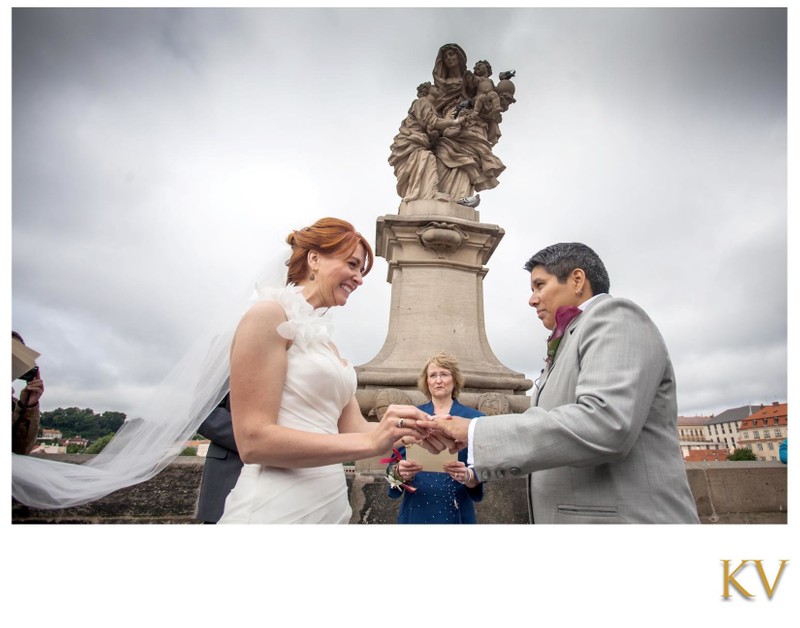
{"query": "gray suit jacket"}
{"type": "Point", "coordinates": [222, 464]}
{"type": "Point", "coordinates": [601, 441]}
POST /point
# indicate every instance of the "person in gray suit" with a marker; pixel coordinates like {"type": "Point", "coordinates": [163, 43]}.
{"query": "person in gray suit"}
{"type": "Point", "coordinates": [600, 442]}
{"type": "Point", "coordinates": [222, 465]}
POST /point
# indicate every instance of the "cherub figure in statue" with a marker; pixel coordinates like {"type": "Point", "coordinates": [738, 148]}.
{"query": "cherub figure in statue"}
{"type": "Point", "coordinates": [505, 88]}
{"type": "Point", "coordinates": [486, 109]}
{"type": "Point", "coordinates": [482, 70]}
{"type": "Point", "coordinates": [412, 150]}
{"type": "Point", "coordinates": [472, 89]}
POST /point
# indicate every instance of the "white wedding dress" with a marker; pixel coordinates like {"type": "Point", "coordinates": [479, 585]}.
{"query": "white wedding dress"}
{"type": "Point", "coordinates": [318, 386]}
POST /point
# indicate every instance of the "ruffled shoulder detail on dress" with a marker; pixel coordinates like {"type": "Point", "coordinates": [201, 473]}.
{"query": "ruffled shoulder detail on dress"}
{"type": "Point", "coordinates": [304, 325]}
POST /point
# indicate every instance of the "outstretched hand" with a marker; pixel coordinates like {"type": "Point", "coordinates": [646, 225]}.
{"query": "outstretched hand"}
{"type": "Point", "coordinates": [449, 429]}
{"type": "Point", "coordinates": [436, 443]}
{"type": "Point", "coordinates": [399, 424]}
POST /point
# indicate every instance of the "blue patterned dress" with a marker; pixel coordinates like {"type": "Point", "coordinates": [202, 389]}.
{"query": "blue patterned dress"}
{"type": "Point", "coordinates": [439, 498]}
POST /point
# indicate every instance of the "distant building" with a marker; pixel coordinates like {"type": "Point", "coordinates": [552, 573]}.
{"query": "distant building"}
{"type": "Point", "coordinates": [48, 449]}
{"type": "Point", "coordinates": [49, 435]}
{"type": "Point", "coordinates": [723, 429]}
{"type": "Point", "coordinates": [692, 435]}
{"type": "Point", "coordinates": [76, 440]}
{"type": "Point", "coordinates": [763, 431]}
{"type": "Point", "coordinates": [723, 433]}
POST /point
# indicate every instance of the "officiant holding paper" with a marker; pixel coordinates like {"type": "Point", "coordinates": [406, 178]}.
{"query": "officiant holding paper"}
{"type": "Point", "coordinates": [436, 488]}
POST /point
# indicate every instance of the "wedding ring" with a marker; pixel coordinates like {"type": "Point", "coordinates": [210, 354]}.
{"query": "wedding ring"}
{"type": "Point", "coordinates": [401, 423]}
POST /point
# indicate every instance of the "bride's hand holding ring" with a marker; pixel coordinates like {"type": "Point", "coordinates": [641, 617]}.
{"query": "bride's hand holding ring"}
{"type": "Point", "coordinates": [398, 424]}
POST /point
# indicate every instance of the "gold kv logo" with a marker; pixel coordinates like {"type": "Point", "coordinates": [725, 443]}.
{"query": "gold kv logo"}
{"type": "Point", "coordinates": [729, 578]}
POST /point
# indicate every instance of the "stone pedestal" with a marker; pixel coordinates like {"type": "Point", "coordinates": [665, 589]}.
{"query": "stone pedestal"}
{"type": "Point", "coordinates": [437, 251]}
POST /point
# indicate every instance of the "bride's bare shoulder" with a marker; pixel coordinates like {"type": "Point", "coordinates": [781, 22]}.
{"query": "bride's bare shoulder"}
{"type": "Point", "coordinates": [263, 314]}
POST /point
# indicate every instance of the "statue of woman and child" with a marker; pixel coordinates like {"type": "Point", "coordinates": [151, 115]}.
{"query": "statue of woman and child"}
{"type": "Point", "coordinates": [443, 149]}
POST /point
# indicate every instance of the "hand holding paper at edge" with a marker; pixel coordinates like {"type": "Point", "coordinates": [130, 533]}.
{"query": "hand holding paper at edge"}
{"type": "Point", "coordinates": [23, 358]}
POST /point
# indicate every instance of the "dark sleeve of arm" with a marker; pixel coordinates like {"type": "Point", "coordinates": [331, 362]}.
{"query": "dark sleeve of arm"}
{"type": "Point", "coordinates": [219, 428]}
{"type": "Point", "coordinates": [476, 492]}
{"type": "Point", "coordinates": [25, 425]}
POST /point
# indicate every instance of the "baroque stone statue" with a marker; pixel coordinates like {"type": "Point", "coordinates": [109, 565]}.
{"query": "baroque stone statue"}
{"type": "Point", "coordinates": [443, 149]}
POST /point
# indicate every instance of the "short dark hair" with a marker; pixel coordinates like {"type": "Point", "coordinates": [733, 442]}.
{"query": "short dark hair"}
{"type": "Point", "coordinates": [562, 258]}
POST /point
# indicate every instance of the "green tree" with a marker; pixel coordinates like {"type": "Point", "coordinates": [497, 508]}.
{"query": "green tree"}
{"type": "Point", "coordinates": [111, 421]}
{"type": "Point", "coordinates": [97, 446]}
{"type": "Point", "coordinates": [742, 453]}
{"type": "Point", "coordinates": [189, 451]}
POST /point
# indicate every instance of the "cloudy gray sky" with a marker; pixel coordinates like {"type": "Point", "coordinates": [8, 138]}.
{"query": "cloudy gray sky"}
{"type": "Point", "coordinates": [160, 156]}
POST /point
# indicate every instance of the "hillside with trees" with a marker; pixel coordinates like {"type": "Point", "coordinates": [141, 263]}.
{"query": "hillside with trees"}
{"type": "Point", "coordinates": [98, 429]}
{"type": "Point", "coordinates": [72, 422]}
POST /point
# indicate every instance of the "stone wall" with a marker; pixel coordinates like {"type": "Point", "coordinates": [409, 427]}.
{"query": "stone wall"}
{"type": "Point", "coordinates": [725, 492]}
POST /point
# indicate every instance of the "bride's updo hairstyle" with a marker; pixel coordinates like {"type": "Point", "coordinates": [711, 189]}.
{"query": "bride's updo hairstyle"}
{"type": "Point", "coordinates": [328, 236]}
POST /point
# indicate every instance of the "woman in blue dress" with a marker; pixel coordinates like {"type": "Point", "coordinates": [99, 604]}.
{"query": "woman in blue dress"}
{"type": "Point", "coordinates": [434, 497]}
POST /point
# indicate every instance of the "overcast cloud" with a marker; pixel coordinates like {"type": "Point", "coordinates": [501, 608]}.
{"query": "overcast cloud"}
{"type": "Point", "coordinates": [161, 156]}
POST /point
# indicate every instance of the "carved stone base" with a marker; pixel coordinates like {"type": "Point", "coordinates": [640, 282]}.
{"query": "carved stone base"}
{"type": "Point", "coordinates": [436, 268]}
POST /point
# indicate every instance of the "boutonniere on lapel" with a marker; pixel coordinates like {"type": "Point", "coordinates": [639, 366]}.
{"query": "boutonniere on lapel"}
{"type": "Point", "coordinates": [564, 316]}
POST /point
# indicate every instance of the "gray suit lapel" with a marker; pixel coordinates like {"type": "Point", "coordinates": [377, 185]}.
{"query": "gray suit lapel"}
{"type": "Point", "coordinates": [565, 340]}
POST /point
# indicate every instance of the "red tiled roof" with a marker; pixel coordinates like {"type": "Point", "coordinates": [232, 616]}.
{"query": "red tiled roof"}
{"type": "Point", "coordinates": [706, 455]}
{"type": "Point", "coordinates": [778, 411]}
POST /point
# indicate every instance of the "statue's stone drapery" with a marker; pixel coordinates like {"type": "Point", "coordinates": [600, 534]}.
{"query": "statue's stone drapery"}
{"type": "Point", "coordinates": [413, 157]}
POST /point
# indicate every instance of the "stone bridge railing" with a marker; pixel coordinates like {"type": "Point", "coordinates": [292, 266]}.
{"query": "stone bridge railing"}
{"type": "Point", "coordinates": [725, 492]}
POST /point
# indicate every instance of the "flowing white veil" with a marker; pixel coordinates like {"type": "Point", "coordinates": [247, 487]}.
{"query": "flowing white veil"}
{"type": "Point", "coordinates": [154, 434]}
